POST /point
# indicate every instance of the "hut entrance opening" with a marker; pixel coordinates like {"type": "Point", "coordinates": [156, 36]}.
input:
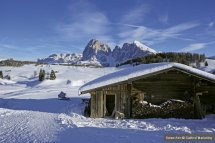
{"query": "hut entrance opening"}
{"type": "Point", "coordinates": [110, 104]}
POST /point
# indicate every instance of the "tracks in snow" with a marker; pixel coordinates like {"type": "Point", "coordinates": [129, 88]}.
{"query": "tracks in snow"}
{"type": "Point", "coordinates": [27, 126]}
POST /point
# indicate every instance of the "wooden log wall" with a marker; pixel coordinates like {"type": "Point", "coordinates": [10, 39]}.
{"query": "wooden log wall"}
{"type": "Point", "coordinates": [159, 88]}
{"type": "Point", "coordinates": [97, 104]}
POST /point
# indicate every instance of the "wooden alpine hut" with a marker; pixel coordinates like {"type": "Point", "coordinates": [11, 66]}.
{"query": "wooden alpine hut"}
{"type": "Point", "coordinates": [145, 91]}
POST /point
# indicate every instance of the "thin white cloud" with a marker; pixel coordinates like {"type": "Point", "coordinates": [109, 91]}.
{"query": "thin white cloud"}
{"type": "Point", "coordinates": [86, 23]}
{"type": "Point", "coordinates": [211, 24]}
{"type": "Point", "coordinates": [193, 47]}
{"type": "Point", "coordinates": [196, 46]}
{"type": "Point", "coordinates": [151, 35]}
{"type": "Point", "coordinates": [137, 14]}
{"type": "Point", "coordinates": [181, 27]}
{"type": "Point", "coordinates": [8, 46]}
{"type": "Point", "coordinates": [27, 49]}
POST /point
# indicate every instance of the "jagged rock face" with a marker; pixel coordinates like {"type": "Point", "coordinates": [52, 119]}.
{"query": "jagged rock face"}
{"type": "Point", "coordinates": [62, 58]}
{"type": "Point", "coordinates": [116, 54]}
{"type": "Point", "coordinates": [97, 51]}
{"type": "Point", "coordinates": [131, 50]}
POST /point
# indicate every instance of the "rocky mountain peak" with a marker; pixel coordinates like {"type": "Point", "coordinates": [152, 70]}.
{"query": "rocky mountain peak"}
{"type": "Point", "coordinates": [96, 50]}
{"type": "Point", "coordinates": [97, 45]}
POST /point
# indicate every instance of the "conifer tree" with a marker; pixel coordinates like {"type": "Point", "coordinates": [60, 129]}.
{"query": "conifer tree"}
{"type": "Point", "coordinates": [52, 75]}
{"type": "Point", "coordinates": [206, 63]}
{"type": "Point", "coordinates": [1, 74]}
{"type": "Point", "coordinates": [41, 75]}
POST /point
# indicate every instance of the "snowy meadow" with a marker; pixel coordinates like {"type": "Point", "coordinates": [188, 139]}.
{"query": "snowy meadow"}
{"type": "Point", "coordinates": [31, 112]}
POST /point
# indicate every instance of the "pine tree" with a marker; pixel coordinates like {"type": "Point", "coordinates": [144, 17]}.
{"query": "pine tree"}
{"type": "Point", "coordinates": [1, 74]}
{"type": "Point", "coordinates": [202, 57]}
{"type": "Point", "coordinates": [41, 75]}
{"type": "Point", "coordinates": [52, 75]}
{"type": "Point", "coordinates": [206, 63]}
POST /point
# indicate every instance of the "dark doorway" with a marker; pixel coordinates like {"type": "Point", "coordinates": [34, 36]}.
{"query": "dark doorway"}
{"type": "Point", "coordinates": [110, 104]}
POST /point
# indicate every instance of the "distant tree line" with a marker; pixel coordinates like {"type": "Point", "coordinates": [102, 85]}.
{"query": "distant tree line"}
{"type": "Point", "coordinates": [184, 58]}
{"type": "Point", "coordinates": [16, 63]}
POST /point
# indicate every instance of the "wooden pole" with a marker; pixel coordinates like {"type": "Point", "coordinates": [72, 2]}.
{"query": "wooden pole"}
{"type": "Point", "coordinates": [197, 103]}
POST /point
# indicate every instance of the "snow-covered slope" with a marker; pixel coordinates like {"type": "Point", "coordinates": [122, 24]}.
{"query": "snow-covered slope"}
{"type": "Point", "coordinates": [30, 111]}
{"type": "Point", "coordinates": [211, 66]}
{"type": "Point", "coordinates": [98, 53]}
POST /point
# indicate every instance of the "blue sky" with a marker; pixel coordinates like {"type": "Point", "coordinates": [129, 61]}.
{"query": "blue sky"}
{"type": "Point", "coordinates": [30, 29]}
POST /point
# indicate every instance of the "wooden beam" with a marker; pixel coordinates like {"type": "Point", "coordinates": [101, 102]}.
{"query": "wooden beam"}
{"type": "Point", "coordinates": [196, 101]}
{"type": "Point", "coordinates": [197, 107]}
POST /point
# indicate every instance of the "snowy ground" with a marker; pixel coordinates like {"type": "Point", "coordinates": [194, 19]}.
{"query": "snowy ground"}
{"type": "Point", "coordinates": [211, 66]}
{"type": "Point", "coordinates": [31, 112]}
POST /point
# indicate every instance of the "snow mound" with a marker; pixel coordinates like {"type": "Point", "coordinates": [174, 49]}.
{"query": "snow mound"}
{"type": "Point", "coordinates": [50, 82]}
{"type": "Point", "coordinates": [6, 82]}
{"type": "Point", "coordinates": [75, 82]}
{"type": "Point", "coordinates": [79, 121]}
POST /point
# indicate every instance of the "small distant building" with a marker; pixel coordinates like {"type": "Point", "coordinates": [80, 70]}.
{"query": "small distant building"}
{"type": "Point", "coordinates": [154, 84]}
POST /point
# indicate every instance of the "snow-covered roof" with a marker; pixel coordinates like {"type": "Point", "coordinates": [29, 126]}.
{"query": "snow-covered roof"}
{"type": "Point", "coordinates": [138, 71]}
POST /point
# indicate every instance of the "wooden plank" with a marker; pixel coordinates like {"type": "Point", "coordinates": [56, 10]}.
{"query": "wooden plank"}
{"type": "Point", "coordinates": [100, 104]}
{"type": "Point", "coordinates": [117, 102]}
{"type": "Point", "coordinates": [96, 104]}
{"type": "Point", "coordinates": [93, 99]}
{"type": "Point", "coordinates": [104, 105]}
{"type": "Point", "coordinates": [128, 113]}
{"type": "Point", "coordinates": [163, 82]}
{"type": "Point", "coordinates": [163, 89]}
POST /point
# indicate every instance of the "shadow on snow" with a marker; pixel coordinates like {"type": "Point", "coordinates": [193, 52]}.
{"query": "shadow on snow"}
{"type": "Point", "coordinates": [51, 105]}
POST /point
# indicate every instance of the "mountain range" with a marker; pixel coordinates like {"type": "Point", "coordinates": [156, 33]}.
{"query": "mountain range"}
{"type": "Point", "coordinates": [212, 57]}
{"type": "Point", "coordinates": [100, 54]}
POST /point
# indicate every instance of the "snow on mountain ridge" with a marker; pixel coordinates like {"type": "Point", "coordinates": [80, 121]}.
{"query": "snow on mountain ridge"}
{"type": "Point", "coordinates": [144, 47]}
{"type": "Point", "coordinates": [131, 50]}
{"type": "Point", "coordinates": [62, 58]}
